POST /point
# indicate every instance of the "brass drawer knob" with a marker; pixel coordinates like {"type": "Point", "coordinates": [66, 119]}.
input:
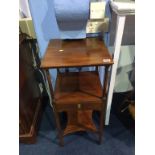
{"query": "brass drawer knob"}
{"type": "Point", "coordinates": [79, 106]}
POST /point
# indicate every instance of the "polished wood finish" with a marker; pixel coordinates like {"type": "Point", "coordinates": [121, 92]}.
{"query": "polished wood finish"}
{"type": "Point", "coordinates": [79, 120]}
{"type": "Point", "coordinates": [77, 87]}
{"type": "Point", "coordinates": [29, 136]}
{"type": "Point", "coordinates": [30, 100]}
{"type": "Point", "coordinates": [78, 93]}
{"type": "Point", "coordinates": [60, 132]}
{"type": "Point", "coordinates": [76, 53]}
{"type": "Point", "coordinates": [105, 81]}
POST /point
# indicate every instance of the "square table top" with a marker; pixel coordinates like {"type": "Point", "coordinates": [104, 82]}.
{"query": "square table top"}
{"type": "Point", "coordinates": [76, 53]}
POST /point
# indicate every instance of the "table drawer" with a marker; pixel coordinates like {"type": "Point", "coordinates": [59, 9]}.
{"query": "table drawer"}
{"type": "Point", "coordinates": [80, 106]}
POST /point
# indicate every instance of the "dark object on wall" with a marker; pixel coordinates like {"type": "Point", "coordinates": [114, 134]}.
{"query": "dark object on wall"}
{"type": "Point", "coordinates": [30, 96]}
{"type": "Point", "coordinates": [129, 30]}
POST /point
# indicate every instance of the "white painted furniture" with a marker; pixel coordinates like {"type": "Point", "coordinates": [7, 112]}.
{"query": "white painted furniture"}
{"type": "Point", "coordinates": [122, 9]}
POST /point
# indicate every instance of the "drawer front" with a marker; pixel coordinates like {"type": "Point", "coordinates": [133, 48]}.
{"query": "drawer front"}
{"type": "Point", "coordinates": [92, 106]}
{"type": "Point", "coordinates": [80, 106]}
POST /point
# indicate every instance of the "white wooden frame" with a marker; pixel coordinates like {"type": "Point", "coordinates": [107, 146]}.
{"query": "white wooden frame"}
{"type": "Point", "coordinates": [121, 16]}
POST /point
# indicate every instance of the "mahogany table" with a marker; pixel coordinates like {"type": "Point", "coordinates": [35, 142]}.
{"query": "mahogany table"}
{"type": "Point", "coordinates": [78, 93]}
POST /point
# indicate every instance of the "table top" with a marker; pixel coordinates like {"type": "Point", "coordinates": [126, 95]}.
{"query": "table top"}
{"type": "Point", "coordinates": [76, 53]}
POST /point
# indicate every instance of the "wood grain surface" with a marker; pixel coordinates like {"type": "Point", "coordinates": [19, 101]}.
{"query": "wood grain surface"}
{"type": "Point", "coordinates": [75, 53]}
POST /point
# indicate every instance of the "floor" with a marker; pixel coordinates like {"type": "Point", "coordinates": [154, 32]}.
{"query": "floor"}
{"type": "Point", "coordinates": [118, 138]}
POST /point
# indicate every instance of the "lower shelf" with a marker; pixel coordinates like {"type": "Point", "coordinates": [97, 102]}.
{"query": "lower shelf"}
{"type": "Point", "coordinates": [80, 120]}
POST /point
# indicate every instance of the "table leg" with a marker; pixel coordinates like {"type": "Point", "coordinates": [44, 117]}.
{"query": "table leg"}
{"type": "Point", "coordinates": [57, 118]}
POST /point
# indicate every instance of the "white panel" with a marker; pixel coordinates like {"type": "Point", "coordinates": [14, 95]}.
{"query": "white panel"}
{"type": "Point", "coordinates": [97, 10]}
{"type": "Point", "coordinates": [123, 83]}
{"type": "Point", "coordinates": [95, 26]}
{"type": "Point", "coordinates": [124, 68]}
{"type": "Point", "coordinates": [26, 26]}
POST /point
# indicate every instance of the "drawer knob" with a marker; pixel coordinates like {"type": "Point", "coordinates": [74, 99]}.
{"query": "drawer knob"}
{"type": "Point", "coordinates": [79, 106]}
